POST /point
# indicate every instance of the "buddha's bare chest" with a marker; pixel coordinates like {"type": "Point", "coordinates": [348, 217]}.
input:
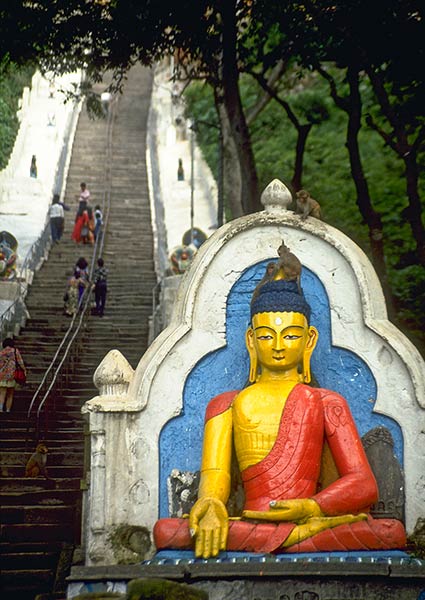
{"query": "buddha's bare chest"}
{"type": "Point", "coordinates": [256, 419]}
{"type": "Point", "coordinates": [260, 407]}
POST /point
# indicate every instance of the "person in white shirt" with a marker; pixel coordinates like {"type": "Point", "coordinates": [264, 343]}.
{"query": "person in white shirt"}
{"type": "Point", "coordinates": [57, 219]}
{"type": "Point", "coordinates": [84, 195]}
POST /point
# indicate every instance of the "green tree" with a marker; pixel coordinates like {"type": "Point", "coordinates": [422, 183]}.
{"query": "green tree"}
{"type": "Point", "coordinates": [112, 35]}
{"type": "Point", "coordinates": [11, 87]}
{"type": "Point", "coordinates": [359, 38]}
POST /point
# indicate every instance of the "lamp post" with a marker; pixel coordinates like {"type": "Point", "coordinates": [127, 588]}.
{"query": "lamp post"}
{"type": "Point", "coordinates": [192, 176]}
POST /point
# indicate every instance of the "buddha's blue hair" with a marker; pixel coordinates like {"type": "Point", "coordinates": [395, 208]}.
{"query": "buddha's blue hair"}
{"type": "Point", "coordinates": [280, 296]}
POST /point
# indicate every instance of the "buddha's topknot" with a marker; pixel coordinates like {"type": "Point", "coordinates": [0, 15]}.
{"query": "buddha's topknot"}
{"type": "Point", "coordinates": [280, 296]}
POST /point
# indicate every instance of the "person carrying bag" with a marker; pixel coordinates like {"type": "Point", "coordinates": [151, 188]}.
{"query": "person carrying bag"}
{"type": "Point", "coordinates": [20, 374]}
{"type": "Point", "coordinates": [10, 363]}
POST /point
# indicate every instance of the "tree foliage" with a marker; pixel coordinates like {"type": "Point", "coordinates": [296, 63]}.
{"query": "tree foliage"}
{"type": "Point", "coordinates": [379, 40]}
{"type": "Point", "coordinates": [327, 176]}
{"type": "Point", "coordinates": [367, 52]}
{"type": "Point", "coordinates": [11, 87]}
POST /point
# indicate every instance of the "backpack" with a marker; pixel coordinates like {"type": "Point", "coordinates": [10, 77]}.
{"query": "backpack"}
{"type": "Point", "coordinates": [100, 276]}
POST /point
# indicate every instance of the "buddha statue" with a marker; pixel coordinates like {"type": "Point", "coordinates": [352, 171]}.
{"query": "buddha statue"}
{"type": "Point", "coordinates": [279, 429]}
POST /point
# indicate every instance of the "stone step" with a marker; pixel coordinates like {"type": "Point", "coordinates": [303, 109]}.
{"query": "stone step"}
{"type": "Point", "coordinates": [18, 444]}
{"type": "Point", "coordinates": [37, 514]}
{"type": "Point", "coordinates": [58, 434]}
{"type": "Point", "coordinates": [43, 497]}
{"type": "Point", "coordinates": [18, 416]}
{"type": "Point", "coordinates": [29, 484]}
{"type": "Point", "coordinates": [75, 404]}
{"type": "Point", "coordinates": [38, 511]}
{"type": "Point", "coordinates": [8, 548]}
{"type": "Point", "coordinates": [23, 583]}
{"type": "Point", "coordinates": [55, 459]}
{"type": "Point", "coordinates": [34, 532]}
{"type": "Point", "coordinates": [25, 561]}
{"type": "Point", "coordinates": [55, 471]}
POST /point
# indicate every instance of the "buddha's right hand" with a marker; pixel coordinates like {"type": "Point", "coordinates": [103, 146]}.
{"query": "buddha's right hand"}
{"type": "Point", "coordinates": [209, 525]}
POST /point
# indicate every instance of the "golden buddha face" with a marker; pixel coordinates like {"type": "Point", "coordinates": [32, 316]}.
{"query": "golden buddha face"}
{"type": "Point", "coordinates": [281, 341]}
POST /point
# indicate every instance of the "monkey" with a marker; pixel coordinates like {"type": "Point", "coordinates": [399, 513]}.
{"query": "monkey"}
{"type": "Point", "coordinates": [36, 464]}
{"type": "Point", "coordinates": [288, 267]}
{"type": "Point", "coordinates": [289, 264]}
{"type": "Point", "coordinates": [268, 276]}
{"type": "Point", "coordinates": [306, 205]}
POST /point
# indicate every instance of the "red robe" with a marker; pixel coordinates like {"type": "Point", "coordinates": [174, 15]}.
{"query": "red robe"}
{"type": "Point", "coordinates": [81, 221]}
{"type": "Point", "coordinates": [291, 470]}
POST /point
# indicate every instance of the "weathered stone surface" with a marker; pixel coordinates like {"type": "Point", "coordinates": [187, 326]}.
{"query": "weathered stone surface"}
{"type": "Point", "coordinates": [130, 543]}
{"type": "Point", "coordinates": [99, 596]}
{"type": "Point", "coordinates": [314, 589]}
{"type": "Point", "coordinates": [379, 447]}
{"type": "Point", "coordinates": [276, 197]}
{"type": "Point", "coordinates": [330, 577]}
{"type": "Point", "coordinates": [162, 589]}
{"type": "Point", "coordinates": [182, 491]}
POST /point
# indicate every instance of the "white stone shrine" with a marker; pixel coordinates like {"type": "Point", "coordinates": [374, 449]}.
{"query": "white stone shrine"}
{"type": "Point", "coordinates": [126, 420]}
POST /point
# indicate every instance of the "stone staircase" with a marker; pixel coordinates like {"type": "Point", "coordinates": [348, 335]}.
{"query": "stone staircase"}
{"type": "Point", "coordinates": [40, 519]}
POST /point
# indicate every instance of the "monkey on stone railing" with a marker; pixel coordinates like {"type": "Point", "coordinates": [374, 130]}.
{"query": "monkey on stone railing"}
{"type": "Point", "coordinates": [306, 205]}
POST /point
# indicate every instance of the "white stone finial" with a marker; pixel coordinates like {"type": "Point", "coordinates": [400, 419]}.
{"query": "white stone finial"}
{"type": "Point", "coordinates": [276, 197]}
{"type": "Point", "coordinates": [112, 377]}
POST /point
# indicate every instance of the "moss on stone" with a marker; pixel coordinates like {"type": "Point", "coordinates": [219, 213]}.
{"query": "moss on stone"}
{"type": "Point", "coordinates": [99, 596]}
{"type": "Point", "coordinates": [162, 589]}
{"type": "Point", "coordinates": [416, 541]}
{"type": "Point", "coordinates": [130, 543]}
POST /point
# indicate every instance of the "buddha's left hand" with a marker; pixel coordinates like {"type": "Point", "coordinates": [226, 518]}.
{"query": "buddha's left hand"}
{"type": "Point", "coordinates": [296, 511]}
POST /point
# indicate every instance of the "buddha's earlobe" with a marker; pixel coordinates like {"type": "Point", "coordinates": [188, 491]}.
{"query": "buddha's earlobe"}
{"type": "Point", "coordinates": [253, 366]}
{"type": "Point", "coordinates": [253, 362]}
{"type": "Point", "coordinates": [310, 345]}
{"type": "Point", "coordinates": [306, 368]}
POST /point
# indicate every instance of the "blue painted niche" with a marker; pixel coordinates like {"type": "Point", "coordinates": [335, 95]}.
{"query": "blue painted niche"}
{"type": "Point", "coordinates": [227, 369]}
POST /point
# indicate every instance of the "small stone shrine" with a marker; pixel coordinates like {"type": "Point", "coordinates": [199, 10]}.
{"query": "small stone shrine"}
{"type": "Point", "coordinates": [147, 427]}
{"type": "Point", "coordinates": [8, 255]}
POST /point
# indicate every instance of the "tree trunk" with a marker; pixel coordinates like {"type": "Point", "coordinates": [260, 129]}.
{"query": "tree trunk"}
{"type": "Point", "coordinates": [231, 168]}
{"type": "Point", "coordinates": [303, 131]}
{"type": "Point", "coordinates": [399, 142]}
{"type": "Point", "coordinates": [414, 211]}
{"type": "Point", "coordinates": [232, 102]}
{"type": "Point", "coordinates": [271, 82]}
{"type": "Point", "coordinates": [370, 216]}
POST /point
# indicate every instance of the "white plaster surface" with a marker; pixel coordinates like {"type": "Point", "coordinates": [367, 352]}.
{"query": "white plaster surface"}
{"type": "Point", "coordinates": [24, 201]}
{"type": "Point", "coordinates": [173, 142]}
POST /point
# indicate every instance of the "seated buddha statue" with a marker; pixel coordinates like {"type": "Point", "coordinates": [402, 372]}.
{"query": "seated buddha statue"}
{"type": "Point", "coordinates": [279, 427]}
